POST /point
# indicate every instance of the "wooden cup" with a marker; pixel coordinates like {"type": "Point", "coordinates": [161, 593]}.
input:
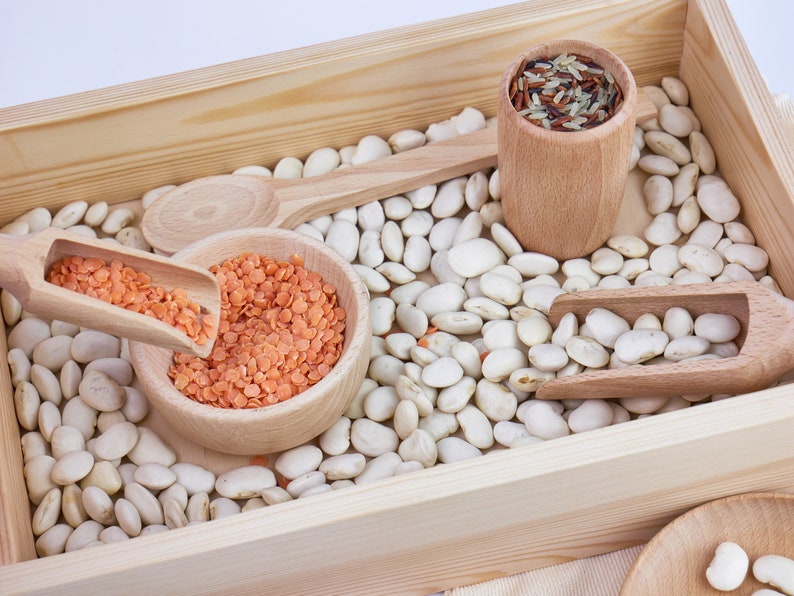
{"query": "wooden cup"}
{"type": "Point", "coordinates": [562, 191]}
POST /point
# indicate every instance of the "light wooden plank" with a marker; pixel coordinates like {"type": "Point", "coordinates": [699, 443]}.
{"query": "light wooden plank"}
{"type": "Point", "coordinates": [117, 143]}
{"type": "Point", "coordinates": [454, 525]}
{"type": "Point", "coordinates": [16, 538]}
{"type": "Point", "coordinates": [754, 149]}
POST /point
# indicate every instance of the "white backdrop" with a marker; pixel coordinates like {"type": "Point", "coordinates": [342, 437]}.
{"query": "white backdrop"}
{"type": "Point", "coordinates": [50, 48]}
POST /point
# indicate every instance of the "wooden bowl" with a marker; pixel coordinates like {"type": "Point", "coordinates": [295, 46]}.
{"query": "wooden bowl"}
{"type": "Point", "coordinates": [675, 560]}
{"type": "Point", "coordinates": [286, 424]}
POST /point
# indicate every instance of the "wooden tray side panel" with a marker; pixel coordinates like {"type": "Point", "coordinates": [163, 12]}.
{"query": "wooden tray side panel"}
{"type": "Point", "coordinates": [751, 138]}
{"type": "Point", "coordinates": [16, 537]}
{"type": "Point", "coordinates": [128, 139]}
{"type": "Point", "coordinates": [456, 525]}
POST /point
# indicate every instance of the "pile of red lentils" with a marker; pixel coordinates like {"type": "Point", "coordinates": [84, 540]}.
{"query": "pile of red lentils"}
{"type": "Point", "coordinates": [281, 331]}
{"type": "Point", "coordinates": [123, 286]}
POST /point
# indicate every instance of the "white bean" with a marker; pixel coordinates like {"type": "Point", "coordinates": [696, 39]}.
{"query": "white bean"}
{"type": "Point", "coordinates": [379, 405]}
{"type": "Point", "coordinates": [444, 297]}
{"type": "Point", "coordinates": [405, 418]}
{"type": "Point", "coordinates": [244, 482]}
{"type": "Point", "coordinates": [370, 253]}
{"type": "Point", "coordinates": [591, 414]}
{"type": "Point", "coordinates": [371, 438]}
{"type": "Point", "coordinates": [728, 568]}
{"type": "Point", "coordinates": [223, 507]}
{"type": "Point", "coordinates": [775, 570]}
{"type": "Point", "coordinates": [474, 257]}
{"type": "Point", "coordinates": [194, 478]}
{"type": "Point", "coordinates": [544, 422]}
{"type": "Point", "coordinates": [587, 351]}
{"type": "Point", "coordinates": [532, 264]}
{"type": "Point", "coordinates": [406, 139]}
{"type": "Point", "coordinates": [439, 267]}
{"type": "Point", "coordinates": [382, 312]}
{"type": "Point", "coordinates": [72, 467]}
{"type": "Point", "coordinates": [396, 273]}
{"type": "Point", "coordinates": [495, 400]}
{"type": "Point", "coordinates": [83, 535]}
{"type": "Point", "coordinates": [449, 198]}
{"type": "Point", "coordinates": [37, 219]}
{"type": "Point", "coordinates": [27, 334]}
{"type": "Point", "coordinates": [486, 308]}
{"type": "Point", "coordinates": [101, 392]}
{"type": "Point", "coordinates": [419, 223]}
{"type": "Point", "coordinates": [321, 161]}
{"type": "Point", "coordinates": [639, 345]}
{"type": "Point", "coordinates": [343, 236]}
{"type": "Point", "coordinates": [422, 197]}
{"type": "Point", "coordinates": [442, 234]}
{"type": "Point", "coordinates": [150, 447]}
{"type": "Point", "coordinates": [344, 466]}
{"type": "Point", "coordinates": [53, 541]}
{"type": "Point", "coordinates": [382, 466]}
{"type": "Point", "coordinates": [717, 327]}
{"type": "Point", "coordinates": [459, 322]}
{"type": "Point", "coordinates": [606, 326]}
{"type": "Point", "coordinates": [117, 219]}
{"type": "Point", "coordinates": [26, 404]}
{"type": "Point", "coordinates": [104, 475]}
{"type": "Point", "coordinates": [419, 446]}
{"type": "Point", "coordinates": [476, 191]}
{"type": "Point", "coordinates": [155, 476]}
{"type": "Point", "coordinates": [453, 449]}
{"type": "Point", "coordinates": [69, 214]}
{"type": "Point", "coordinates": [417, 254]}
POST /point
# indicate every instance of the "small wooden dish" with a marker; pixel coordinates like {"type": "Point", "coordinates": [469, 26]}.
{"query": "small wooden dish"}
{"type": "Point", "coordinates": [289, 423]}
{"type": "Point", "coordinates": [675, 560]}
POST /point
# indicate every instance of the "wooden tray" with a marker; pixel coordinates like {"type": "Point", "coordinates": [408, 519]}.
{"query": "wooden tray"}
{"type": "Point", "coordinates": [452, 525]}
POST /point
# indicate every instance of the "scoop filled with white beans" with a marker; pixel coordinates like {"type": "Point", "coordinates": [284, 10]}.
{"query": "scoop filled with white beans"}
{"type": "Point", "coordinates": [461, 339]}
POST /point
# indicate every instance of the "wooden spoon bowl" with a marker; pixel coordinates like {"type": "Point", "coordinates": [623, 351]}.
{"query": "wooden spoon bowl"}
{"type": "Point", "coordinates": [675, 560]}
{"type": "Point", "coordinates": [286, 424]}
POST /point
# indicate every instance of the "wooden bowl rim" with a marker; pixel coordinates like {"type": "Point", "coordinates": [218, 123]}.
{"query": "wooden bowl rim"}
{"type": "Point", "coordinates": [604, 58]}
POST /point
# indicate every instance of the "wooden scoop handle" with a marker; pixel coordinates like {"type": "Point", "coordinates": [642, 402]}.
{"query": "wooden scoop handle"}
{"type": "Point", "coordinates": [305, 199]}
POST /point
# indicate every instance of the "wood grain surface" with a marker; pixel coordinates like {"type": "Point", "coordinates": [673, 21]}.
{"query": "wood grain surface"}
{"type": "Point", "coordinates": [451, 525]}
{"type": "Point", "coordinates": [674, 562]}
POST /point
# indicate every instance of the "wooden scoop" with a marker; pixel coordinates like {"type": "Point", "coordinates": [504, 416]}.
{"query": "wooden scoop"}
{"type": "Point", "coordinates": [213, 204]}
{"type": "Point", "coordinates": [27, 260]}
{"type": "Point", "coordinates": [766, 340]}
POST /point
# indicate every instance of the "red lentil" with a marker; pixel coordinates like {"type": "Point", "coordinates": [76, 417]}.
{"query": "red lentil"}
{"type": "Point", "coordinates": [122, 286]}
{"type": "Point", "coordinates": [281, 331]}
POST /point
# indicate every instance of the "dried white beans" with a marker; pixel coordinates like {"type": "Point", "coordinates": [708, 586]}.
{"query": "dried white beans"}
{"type": "Point", "coordinates": [461, 341]}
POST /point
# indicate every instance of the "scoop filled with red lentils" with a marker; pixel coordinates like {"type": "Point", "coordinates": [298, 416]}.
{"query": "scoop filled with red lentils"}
{"type": "Point", "coordinates": [281, 331]}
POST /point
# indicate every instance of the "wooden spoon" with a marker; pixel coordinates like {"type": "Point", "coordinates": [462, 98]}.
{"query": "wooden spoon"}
{"type": "Point", "coordinates": [216, 203]}
{"type": "Point", "coordinates": [26, 261]}
{"type": "Point", "coordinates": [674, 562]}
{"type": "Point", "coordinates": [213, 204]}
{"type": "Point", "coordinates": [766, 340]}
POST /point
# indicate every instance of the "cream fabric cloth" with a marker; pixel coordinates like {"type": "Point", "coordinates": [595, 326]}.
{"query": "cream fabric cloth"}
{"type": "Point", "coordinates": [601, 575]}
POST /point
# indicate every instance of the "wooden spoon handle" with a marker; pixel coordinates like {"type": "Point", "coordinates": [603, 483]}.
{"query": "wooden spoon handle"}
{"type": "Point", "coordinates": [305, 199]}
